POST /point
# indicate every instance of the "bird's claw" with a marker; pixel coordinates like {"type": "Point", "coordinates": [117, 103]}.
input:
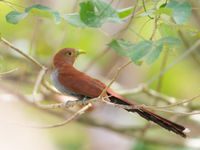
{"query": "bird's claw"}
{"type": "Point", "coordinates": [68, 104]}
{"type": "Point", "coordinates": [72, 103]}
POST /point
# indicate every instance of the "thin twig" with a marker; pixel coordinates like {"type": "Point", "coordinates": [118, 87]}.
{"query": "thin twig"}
{"type": "Point", "coordinates": [37, 84]}
{"type": "Point", "coordinates": [186, 53]}
{"type": "Point", "coordinates": [154, 28]}
{"type": "Point", "coordinates": [13, 4]}
{"type": "Point", "coordinates": [143, 4]}
{"type": "Point", "coordinates": [21, 52]}
{"type": "Point", "coordinates": [175, 104]}
{"type": "Point", "coordinates": [8, 72]}
{"type": "Point", "coordinates": [114, 78]}
{"type": "Point", "coordinates": [118, 34]}
{"type": "Point", "coordinates": [10, 5]}
{"type": "Point", "coordinates": [179, 113]}
{"type": "Point", "coordinates": [73, 117]}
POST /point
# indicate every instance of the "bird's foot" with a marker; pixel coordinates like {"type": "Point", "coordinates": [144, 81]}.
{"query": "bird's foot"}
{"type": "Point", "coordinates": [83, 101]}
{"type": "Point", "coordinates": [70, 103]}
{"type": "Point", "coordinates": [75, 102]}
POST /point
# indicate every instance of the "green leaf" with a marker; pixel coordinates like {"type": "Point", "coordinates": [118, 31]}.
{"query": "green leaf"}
{"type": "Point", "coordinates": [153, 55]}
{"type": "Point", "coordinates": [94, 13]}
{"type": "Point", "coordinates": [167, 30]}
{"type": "Point", "coordinates": [74, 19]}
{"type": "Point", "coordinates": [43, 11]}
{"type": "Point", "coordinates": [181, 11]}
{"type": "Point", "coordinates": [140, 50]}
{"type": "Point", "coordinates": [122, 13]}
{"type": "Point", "coordinates": [0, 37]}
{"type": "Point", "coordinates": [121, 47]}
{"type": "Point", "coordinates": [146, 50]}
{"type": "Point", "coordinates": [14, 17]}
{"type": "Point", "coordinates": [170, 41]}
{"type": "Point", "coordinates": [88, 15]}
{"type": "Point", "coordinates": [167, 11]}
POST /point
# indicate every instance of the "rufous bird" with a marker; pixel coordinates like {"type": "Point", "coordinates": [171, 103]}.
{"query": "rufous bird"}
{"type": "Point", "coordinates": [69, 80]}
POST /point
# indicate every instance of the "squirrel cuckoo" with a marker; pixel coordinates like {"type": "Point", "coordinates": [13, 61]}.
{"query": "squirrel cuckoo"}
{"type": "Point", "coordinates": [69, 80]}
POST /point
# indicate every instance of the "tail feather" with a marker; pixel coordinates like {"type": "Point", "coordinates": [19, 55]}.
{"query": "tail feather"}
{"type": "Point", "coordinates": [167, 124]}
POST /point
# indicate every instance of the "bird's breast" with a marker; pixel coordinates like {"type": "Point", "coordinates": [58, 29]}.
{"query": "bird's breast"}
{"type": "Point", "coordinates": [59, 86]}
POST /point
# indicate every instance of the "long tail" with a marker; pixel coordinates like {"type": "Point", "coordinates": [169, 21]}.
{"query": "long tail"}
{"type": "Point", "coordinates": [167, 124]}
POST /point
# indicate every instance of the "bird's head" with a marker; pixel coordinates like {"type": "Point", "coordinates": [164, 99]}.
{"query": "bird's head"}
{"type": "Point", "coordinates": [66, 55]}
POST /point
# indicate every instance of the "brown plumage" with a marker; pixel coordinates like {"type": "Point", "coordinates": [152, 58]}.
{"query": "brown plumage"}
{"type": "Point", "coordinates": [69, 80]}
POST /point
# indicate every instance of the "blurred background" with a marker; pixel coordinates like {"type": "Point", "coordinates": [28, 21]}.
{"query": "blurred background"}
{"type": "Point", "coordinates": [104, 128]}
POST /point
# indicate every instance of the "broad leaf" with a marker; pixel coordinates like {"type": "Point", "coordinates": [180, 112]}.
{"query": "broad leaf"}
{"type": "Point", "coordinates": [181, 11]}
{"type": "Point", "coordinates": [14, 17]}
{"type": "Point", "coordinates": [167, 11]}
{"type": "Point", "coordinates": [167, 30]}
{"type": "Point", "coordinates": [74, 19]}
{"type": "Point", "coordinates": [146, 50]}
{"type": "Point", "coordinates": [94, 13]}
{"type": "Point", "coordinates": [121, 47]}
{"type": "Point", "coordinates": [170, 41]}
{"type": "Point", "coordinates": [122, 13]}
{"type": "Point", "coordinates": [43, 11]}
{"type": "Point", "coordinates": [140, 50]}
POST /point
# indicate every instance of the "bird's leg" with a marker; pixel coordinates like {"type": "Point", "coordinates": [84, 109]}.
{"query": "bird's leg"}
{"type": "Point", "coordinates": [83, 100]}
{"type": "Point", "coordinates": [75, 102]}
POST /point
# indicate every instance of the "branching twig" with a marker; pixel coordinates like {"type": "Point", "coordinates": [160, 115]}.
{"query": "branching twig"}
{"type": "Point", "coordinates": [73, 117]}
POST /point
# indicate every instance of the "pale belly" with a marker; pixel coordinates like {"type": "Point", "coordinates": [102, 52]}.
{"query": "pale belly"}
{"type": "Point", "coordinates": [60, 87]}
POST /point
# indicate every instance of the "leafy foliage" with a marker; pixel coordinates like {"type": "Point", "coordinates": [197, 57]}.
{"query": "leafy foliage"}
{"type": "Point", "coordinates": [93, 13]}
{"type": "Point", "coordinates": [181, 11]}
{"type": "Point", "coordinates": [15, 16]}
{"type": "Point", "coordinates": [43, 11]}
{"type": "Point", "coordinates": [38, 10]}
{"type": "Point", "coordinates": [145, 50]}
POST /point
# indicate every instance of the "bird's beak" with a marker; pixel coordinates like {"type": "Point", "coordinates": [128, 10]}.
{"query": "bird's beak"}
{"type": "Point", "coordinates": [80, 52]}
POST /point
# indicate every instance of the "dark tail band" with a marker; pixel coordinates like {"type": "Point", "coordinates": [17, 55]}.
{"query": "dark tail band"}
{"type": "Point", "coordinates": [167, 124]}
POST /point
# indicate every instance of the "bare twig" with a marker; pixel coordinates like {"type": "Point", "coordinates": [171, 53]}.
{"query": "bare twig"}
{"type": "Point", "coordinates": [8, 72]}
{"type": "Point", "coordinates": [154, 28]}
{"type": "Point", "coordinates": [73, 117]}
{"type": "Point", "coordinates": [175, 104]}
{"type": "Point", "coordinates": [21, 52]}
{"type": "Point", "coordinates": [10, 5]}
{"type": "Point", "coordinates": [37, 84]}
{"type": "Point", "coordinates": [114, 78]}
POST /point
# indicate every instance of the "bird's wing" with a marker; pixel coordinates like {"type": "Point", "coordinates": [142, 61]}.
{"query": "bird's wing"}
{"type": "Point", "coordinates": [79, 82]}
{"type": "Point", "coordinates": [118, 99]}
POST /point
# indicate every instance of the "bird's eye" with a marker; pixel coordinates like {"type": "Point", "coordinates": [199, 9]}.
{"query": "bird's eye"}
{"type": "Point", "coordinates": [69, 53]}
